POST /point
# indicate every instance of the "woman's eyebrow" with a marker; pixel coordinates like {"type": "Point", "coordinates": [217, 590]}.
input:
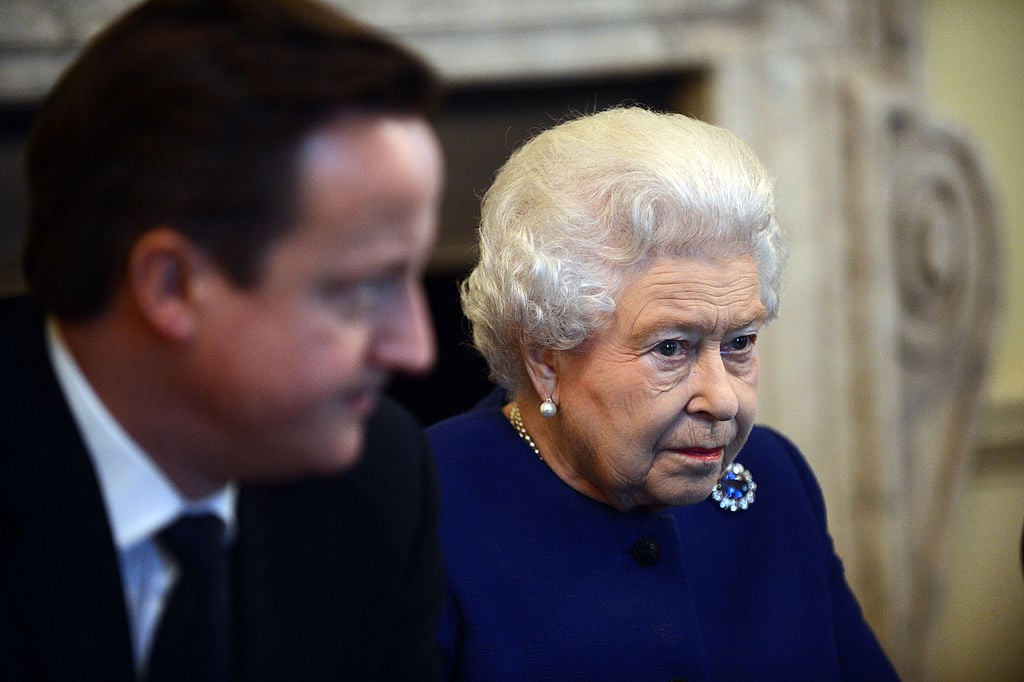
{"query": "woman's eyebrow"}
{"type": "Point", "coordinates": [699, 322]}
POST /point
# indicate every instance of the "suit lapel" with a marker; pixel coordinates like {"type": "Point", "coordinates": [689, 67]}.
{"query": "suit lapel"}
{"type": "Point", "coordinates": [55, 543]}
{"type": "Point", "coordinates": [288, 586]}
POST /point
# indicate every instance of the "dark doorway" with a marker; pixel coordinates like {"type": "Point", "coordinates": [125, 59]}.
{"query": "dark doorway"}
{"type": "Point", "coordinates": [479, 127]}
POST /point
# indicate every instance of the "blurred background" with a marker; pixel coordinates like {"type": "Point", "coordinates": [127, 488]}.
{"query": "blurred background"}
{"type": "Point", "coordinates": [896, 129]}
{"type": "Point", "coordinates": [974, 60]}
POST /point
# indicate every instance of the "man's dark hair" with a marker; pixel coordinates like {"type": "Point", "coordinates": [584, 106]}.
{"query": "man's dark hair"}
{"type": "Point", "coordinates": [188, 114]}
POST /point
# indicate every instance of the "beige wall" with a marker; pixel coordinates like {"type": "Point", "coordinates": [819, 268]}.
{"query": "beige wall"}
{"type": "Point", "coordinates": [974, 61]}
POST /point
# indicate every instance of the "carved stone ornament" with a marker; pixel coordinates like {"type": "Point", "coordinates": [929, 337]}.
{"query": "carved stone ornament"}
{"type": "Point", "coordinates": [923, 276]}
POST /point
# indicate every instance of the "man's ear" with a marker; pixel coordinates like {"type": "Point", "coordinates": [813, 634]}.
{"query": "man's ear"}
{"type": "Point", "coordinates": [163, 266]}
{"type": "Point", "coordinates": [542, 368]}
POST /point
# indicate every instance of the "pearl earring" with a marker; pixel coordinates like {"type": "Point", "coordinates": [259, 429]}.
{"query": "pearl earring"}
{"type": "Point", "coordinates": [548, 409]}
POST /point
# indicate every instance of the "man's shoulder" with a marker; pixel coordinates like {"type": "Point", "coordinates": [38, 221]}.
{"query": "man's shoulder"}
{"type": "Point", "coordinates": [391, 421]}
{"type": "Point", "coordinates": [395, 465]}
{"type": "Point", "coordinates": [395, 443]}
{"type": "Point", "coordinates": [29, 395]}
{"type": "Point", "coordinates": [17, 315]}
{"type": "Point", "coordinates": [381, 501]}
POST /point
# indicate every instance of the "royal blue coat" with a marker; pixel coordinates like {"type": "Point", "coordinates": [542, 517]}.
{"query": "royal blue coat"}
{"type": "Point", "coordinates": [545, 583]}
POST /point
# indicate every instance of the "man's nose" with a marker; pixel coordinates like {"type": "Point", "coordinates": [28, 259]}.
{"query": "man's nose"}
{"type": "Point", "coordinates": [405, 335]}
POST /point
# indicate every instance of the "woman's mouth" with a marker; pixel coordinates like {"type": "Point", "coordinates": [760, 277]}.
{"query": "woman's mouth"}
{"type": "Point", "coordinates": [702, 454]}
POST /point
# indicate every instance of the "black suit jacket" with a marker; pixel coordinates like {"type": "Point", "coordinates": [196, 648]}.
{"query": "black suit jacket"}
{"type": "Point", "coordinates": [335, 578]}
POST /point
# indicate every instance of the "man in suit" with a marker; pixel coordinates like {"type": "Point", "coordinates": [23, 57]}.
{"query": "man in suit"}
{"type": "Point", "coordinates": [231, 205]}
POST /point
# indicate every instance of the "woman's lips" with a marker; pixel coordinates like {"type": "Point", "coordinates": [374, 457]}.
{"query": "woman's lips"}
{"type": "Point", "coordinates": [704, 454]}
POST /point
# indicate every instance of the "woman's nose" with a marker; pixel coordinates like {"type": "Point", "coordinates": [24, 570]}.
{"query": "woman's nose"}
{"type": "Point", "coordinates": [712, 390]}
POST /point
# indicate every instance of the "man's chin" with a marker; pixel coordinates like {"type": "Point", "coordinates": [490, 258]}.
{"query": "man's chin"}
{"type": "Point", "coordinates": [346, 453]}
{"type": "Point", "coordinates": [330, 459]}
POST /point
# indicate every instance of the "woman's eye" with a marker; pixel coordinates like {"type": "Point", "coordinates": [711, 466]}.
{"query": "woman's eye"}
{"type": "Point", "coordinates": [669, 348]}
{"type": "Point", "coordinates": [740, 343]}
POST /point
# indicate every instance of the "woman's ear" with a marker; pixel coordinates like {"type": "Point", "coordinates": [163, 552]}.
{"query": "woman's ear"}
{"type": "Point", "coordinates": [163, 265]}
{"type": "Point", "coordinates": [542, 368]}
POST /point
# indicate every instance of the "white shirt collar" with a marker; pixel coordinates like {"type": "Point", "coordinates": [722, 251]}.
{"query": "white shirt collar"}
{"type": "Point", "coordinates": [139, 498]}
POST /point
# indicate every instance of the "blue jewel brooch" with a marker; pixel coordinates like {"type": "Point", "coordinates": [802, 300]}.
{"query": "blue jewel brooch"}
{"type": "Point", "coordinates": [735, 489]}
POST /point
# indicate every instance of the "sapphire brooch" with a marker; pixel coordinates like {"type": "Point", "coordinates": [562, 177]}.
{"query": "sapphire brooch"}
{"type": "Point", "coordinates": [735, 489]}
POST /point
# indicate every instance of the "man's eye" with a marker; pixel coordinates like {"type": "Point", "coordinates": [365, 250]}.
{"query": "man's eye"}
{"type": "Point", "coordinates": [740, 343]}
{"type": "Point", "coordinates": [357, 296]}
{"type": "Point", "coordinates": [669, 348]}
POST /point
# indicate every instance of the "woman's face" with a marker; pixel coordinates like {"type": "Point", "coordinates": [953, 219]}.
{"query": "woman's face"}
{"type": "Point", "coordinates": [653, 407]}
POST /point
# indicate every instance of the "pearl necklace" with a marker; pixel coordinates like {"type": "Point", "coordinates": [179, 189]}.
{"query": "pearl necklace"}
{"type": "Point", "coordinates": [517, 422]}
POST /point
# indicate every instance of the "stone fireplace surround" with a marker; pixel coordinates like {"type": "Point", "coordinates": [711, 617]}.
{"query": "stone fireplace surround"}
{"type": "Point", "coordinates": [875, 365]}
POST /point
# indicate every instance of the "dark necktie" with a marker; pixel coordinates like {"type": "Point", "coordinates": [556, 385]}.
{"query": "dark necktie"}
{"type": "Point", "coordinates": [192, 640]}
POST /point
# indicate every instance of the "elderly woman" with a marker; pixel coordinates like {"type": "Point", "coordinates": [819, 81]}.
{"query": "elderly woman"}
{"type": "Point", "coordinates": [613, 513]}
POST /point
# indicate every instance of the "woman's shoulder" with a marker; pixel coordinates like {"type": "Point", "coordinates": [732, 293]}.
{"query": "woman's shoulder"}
{"type": "Point", "coordinates": [484, 466]}
{"type": "Point", "coordinates": [765, 438]}
{"type": "Point", "coordinates": [466, 425]}
{"type": "Point", "coordinates": [776, 464]}
{"type": "Point", "coordinates": [484, 421]}
{"type": "Point", "coordinates": [768, 448]}
{"type": "Point", "coordinates": [465, 434]}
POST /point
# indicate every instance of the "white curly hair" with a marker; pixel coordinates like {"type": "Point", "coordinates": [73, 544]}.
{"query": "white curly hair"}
{"type": "Point", "coordinates": [586, 205]}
